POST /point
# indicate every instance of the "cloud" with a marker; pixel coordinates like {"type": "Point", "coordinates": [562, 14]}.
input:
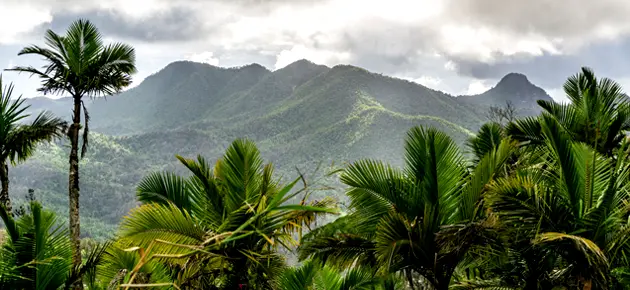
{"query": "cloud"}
{"type": "Point", "coordinates": [177, 24]}
{"type": "Point", "coordinates": [427, 81]}
{"type": "Point", "coordinates": [477, 87]}
{"type": "Point", "coordinates": [298, 52]}
{"type": "Point", "coordinates": [204, 57]}
{"type": "Point", "coordinates": [465, 44]}
{"type": "Point", "coordinates": [16, 19]}
{"type": "Point", "coordinates": [563, 19]}
{"type": "Point", "coordinates": [608, 58]}
{"type": "Point", "coordinates": [10, 65]}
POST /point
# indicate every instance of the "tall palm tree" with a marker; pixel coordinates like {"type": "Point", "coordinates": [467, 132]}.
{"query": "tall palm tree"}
{"type": "Point", "coordinates": [81, 65]}
{"type": "Point", "coordinates": [567, 216]}
{"type": "Point", "coordinates": [18, 140]}
{"type": "Point", "coordinates": [421, 221]}
{"type": "Point", "coordinates": [598, 114]}
{"type": "Point", "coordinates": [221, 226]}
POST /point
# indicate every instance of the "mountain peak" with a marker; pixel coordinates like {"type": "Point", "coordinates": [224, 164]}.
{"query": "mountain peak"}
{"type": "Point", "coordinates": [514, 88]}
{"type": "Point", "coordinates": [300, 71]}
{"type": "Point", "coordinates": [252, 66]}
{"type": "Point", "coordinates": [514, 79]}
{"type": "Point", "coordinates": [303, 64]}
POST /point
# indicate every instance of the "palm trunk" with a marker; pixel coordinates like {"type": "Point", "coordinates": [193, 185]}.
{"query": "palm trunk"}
{"type": "Point", "coordinates": [4, 194]}
{"type": "Point", "coordinates": [73, 188]}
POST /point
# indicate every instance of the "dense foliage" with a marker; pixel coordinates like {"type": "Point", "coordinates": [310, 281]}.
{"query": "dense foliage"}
{"type": "Point", "coordinates": [541, 203]}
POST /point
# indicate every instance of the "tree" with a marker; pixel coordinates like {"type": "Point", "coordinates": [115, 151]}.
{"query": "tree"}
{"type": "Point", "coordinates": [421, 221]}
{"type": "Point", "coordinates": [502, 115]}
{"type": "Point", "coordinates": [81, 65]}
{"type": "Point", "coordinates": [37, 253]}
{"type": "Point", "coordinates": [221, 227]}
{"type": "Point", "coordinates": [598, 114]}
{"type": "Point", "coordinates": [565, 218]}
{"type": "Point", "coordinates": [18, 140]}
{"type": "Point", "coordinates": [488, 138]}
{"type": "Point", "coordinates": [117, 264]}
{"type": "Point", "coordinates": [312, 275]}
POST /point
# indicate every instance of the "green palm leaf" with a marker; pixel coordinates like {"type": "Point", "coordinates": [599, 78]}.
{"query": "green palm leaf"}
{"type": "Point", "coordinates": [164, 188]}
{"type": "Point", "coordinates": [164, 222]}
{"type": "Point", "coordinates": [38, 249]}
{"type": "Point", "coordinates": [487, 139]}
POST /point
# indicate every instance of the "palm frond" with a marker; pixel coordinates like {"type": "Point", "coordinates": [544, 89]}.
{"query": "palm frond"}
{"type": "Point", "coordinates": [299, 278]}
{"type": "Point", "coordinates": [583, 252]}
{"type": "Point", "coordinates": [376, 188]}
{"type": "Point", "coordinates": [488, 167]}
{"type": "Point", "coordinates": [88, 268]}
{"type": "Point", "coordinates": [338, 243]}
{"type": "Point", "coordinates": [164, 188]}
{"type": "Point", "coordinates": [434, 161]}
{"type": "Point", "coordinates": [527, 131]}
{"type": "Point", "coordinates": [238, 171]}
{"type": "Point", "coordinates": [487, 139]}
{"type": "Point", "coordinates": [152, 221]}
{"type": "Point", "coordinates": [482, 285]}
{"type": "Point", "coordinates": [23, 139]}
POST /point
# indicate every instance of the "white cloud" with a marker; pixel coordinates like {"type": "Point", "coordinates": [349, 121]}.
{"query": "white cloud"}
{"type": "Point", "coordinates": [298, 52]}
{"type": "Point", "coordinates": [450, 65]}
{"type": "Point", "coordinates": [557, 94]}
{"type": "Point", "coordinates": [427, 81]}
{"type": "Point", "coordinates": [204, 57]}
{"type": "Point", "coordinates": [477, 87]}
{"type": "Point", "coordinates": [426, 41]}
{"type": "Point", "coordinates": [16, 19]}
{"type": "Point", "coordinates": [482, 43]}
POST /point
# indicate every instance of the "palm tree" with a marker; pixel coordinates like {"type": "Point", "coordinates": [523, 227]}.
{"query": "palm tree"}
{"type": "Point", "coordinates": [598, 114]}
{"type": "Point", "coordinates": [487, 139]}
{"type": "Point", "coordinates": [566, 218]}
{"type": "Point", "coordinates": [19, 140]}
{"type": "Point", "coordinates": [117, 263]}
{"type": "Point", "coordinates": [37, 253]}
{"type": "Point", "coordinates": [312, 275]}
{"type": "Point", "coordinates": [421, 221]}
{"type": "Point", "coordinates": [221, 227]}
{"type": "Point", "coordinates": [81, 65]}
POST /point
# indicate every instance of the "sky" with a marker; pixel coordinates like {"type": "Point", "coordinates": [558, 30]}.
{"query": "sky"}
{"type": "Point", "coordinates": [456, 46]}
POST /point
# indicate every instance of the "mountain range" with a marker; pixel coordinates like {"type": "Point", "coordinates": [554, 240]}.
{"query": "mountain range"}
{"type": "Point", "coordinates": [299, 116]}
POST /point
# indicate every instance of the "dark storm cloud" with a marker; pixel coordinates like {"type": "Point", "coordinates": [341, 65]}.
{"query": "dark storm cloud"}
{"type": "Point", "coordinates": [611, 59]}
{"type": "Point", "coordinates": [176, 24]}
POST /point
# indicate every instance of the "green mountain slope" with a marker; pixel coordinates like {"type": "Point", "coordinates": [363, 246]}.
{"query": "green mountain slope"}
{"type": "Point", "coordinates": [299, 116]}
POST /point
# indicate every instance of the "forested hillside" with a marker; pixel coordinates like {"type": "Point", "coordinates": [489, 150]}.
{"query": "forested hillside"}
{"type": "Point", "coordinates": [301, 115]}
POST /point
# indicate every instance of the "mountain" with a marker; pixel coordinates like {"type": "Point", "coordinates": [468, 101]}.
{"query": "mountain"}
{"type": "Point", "coordinates": [300, 115]}
{"type": "Point", "coordinates": [514, 88]}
